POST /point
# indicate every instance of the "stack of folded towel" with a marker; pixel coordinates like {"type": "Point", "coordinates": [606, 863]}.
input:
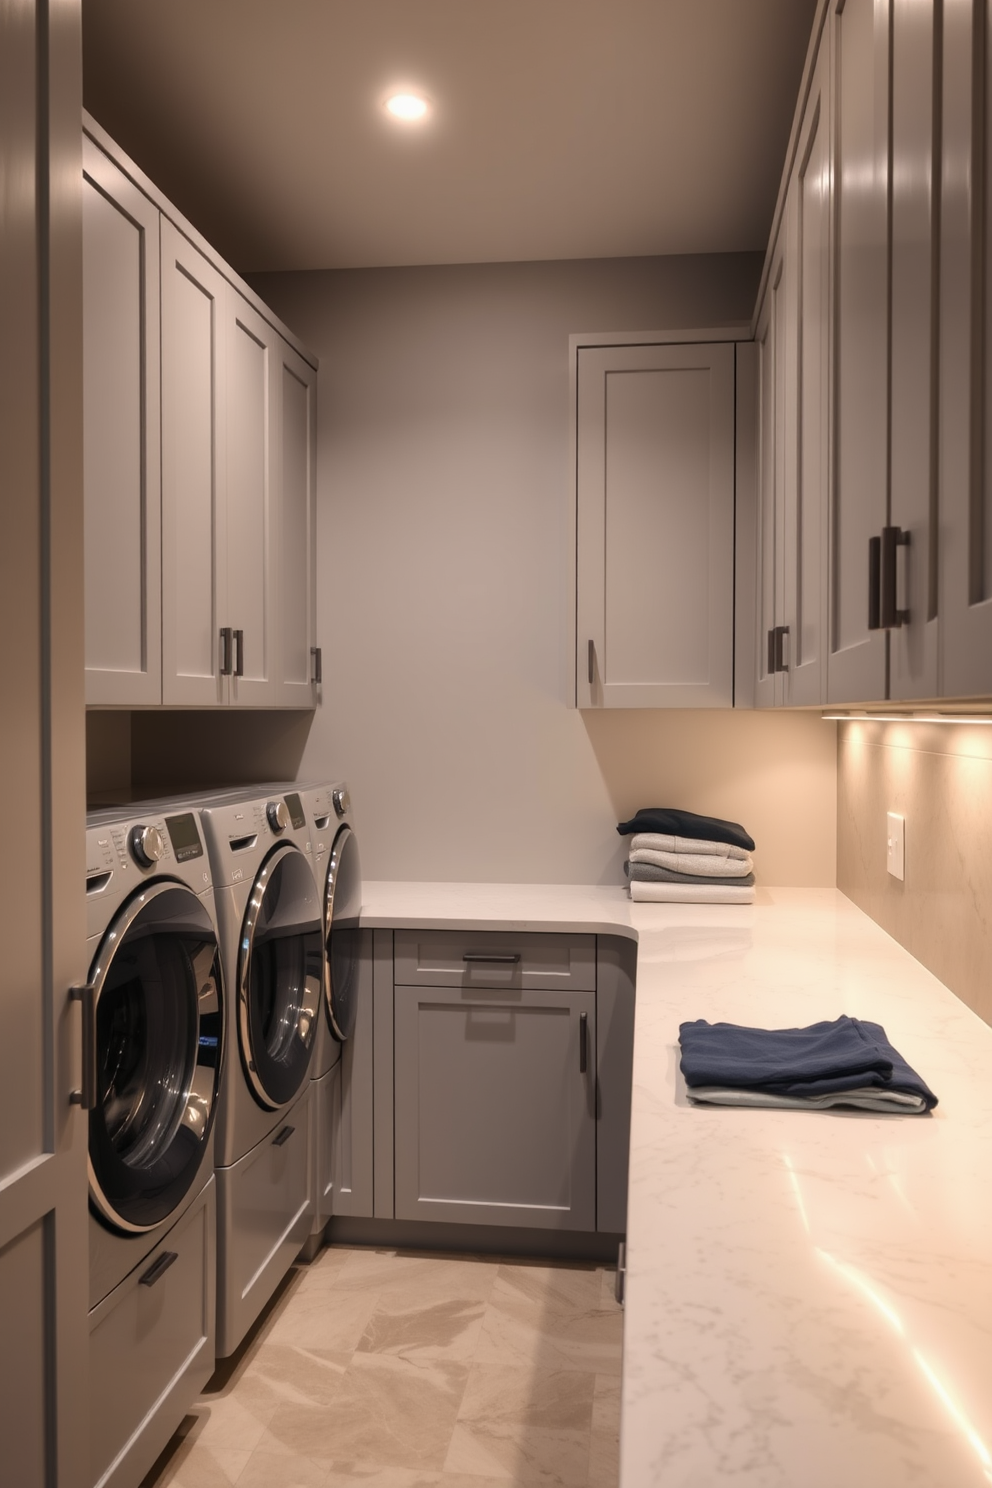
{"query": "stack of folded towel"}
{"type": "Point", "coordinates": [677, 857]}
{"type": "Point", "coordinates": [846, 1062]}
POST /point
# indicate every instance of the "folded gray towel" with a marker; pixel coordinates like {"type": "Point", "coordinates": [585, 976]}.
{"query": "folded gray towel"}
{"type": "Point", "coordinates": [651, 873]}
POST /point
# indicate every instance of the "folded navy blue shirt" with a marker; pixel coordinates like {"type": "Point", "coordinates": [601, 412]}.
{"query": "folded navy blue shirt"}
{"type": "Point", "coordinates": [823, 1059]}
{"type": "Point", "coordinates": [675, 823]}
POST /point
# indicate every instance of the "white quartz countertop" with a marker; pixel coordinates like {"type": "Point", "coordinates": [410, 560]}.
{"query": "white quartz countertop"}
{"type": "Point", "coordinates": [809, 1294]}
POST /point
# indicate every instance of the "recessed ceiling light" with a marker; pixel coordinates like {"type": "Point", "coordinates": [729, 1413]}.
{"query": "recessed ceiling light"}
{"type": "Point", "coordinates": [409, 108]}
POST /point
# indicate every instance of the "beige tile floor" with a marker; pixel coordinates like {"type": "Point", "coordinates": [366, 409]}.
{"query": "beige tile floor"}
{"type": "Point", "coordinates": [386, 1369]}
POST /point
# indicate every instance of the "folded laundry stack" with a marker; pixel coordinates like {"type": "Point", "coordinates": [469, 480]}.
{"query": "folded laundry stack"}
{"type": "Point", "coordinates": [678, 857]}
{"type": "Point", "coordinates": [847, 1062]}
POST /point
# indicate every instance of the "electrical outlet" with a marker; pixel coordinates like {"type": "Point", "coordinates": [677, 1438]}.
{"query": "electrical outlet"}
{"type": "Point", "coordinates": [895, 844]}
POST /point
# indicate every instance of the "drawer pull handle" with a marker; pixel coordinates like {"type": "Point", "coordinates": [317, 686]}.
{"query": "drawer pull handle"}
{"type": "Point", "coordinates": [510, 960]}
{"type": "Point", "coordinates": [158, 1268]}
{"type": "Point", "coordinates": [283, 1136]}
{"type": "Point", "coordinates": [583, 1043]}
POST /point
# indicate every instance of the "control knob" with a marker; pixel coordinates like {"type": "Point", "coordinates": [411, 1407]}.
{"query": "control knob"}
{"type": "Point", "coordinates": [147, 845]}
{"type": "Point", "coordinates": [342, 800]}
{"type": "Point", "coordinates": [278, 815]}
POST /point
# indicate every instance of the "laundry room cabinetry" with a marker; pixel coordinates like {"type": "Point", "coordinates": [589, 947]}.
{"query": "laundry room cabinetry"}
{"type": "Point", "coordinates": [508, 1073]}
{"type": "Point", "coordinates": [655, 431]}
{"type": "Point", "coordinates": [200, 474]}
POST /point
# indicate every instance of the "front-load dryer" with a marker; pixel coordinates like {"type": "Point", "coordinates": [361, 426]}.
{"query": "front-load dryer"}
{"type": "Point", "coordinates": [153, 1044]}
{"type": "Point", "coordinates": [269, 918]}
{"type": "Point", "coordinates": [347, 951]}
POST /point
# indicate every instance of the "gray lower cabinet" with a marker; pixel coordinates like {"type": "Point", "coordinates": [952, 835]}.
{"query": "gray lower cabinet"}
{"type": "Point", "coordinates": [495, 1114]}
{"type": "Point", "coordinates": [352, 1114]}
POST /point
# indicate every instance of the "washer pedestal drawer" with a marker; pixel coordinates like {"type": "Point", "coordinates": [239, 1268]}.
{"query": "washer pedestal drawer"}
{"type": "Point", "coordinates": [264, 1213]}
{"type": "Point", "coordinates": [152, 1348]}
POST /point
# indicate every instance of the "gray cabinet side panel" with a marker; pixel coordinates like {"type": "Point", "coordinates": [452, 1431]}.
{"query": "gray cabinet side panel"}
{"type": "Point", "coordinates": [382, 1083]}
{"type": "Point", "coordinates": [616, 967]}
{"type": "Point", "coordinates": [745, 523]}
{"type": "Point", "coordinates": [355, 1117]}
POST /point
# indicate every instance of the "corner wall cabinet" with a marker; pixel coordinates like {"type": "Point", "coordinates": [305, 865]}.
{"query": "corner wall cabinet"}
{"type": "Point", "coordinates": [199, 466]}
{"type": "Point", "coordinates": [873, 558]}
{"type": "Point", "coordinates": [655, 525]}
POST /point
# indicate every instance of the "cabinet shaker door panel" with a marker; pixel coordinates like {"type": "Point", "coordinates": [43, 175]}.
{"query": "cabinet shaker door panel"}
{"type": "Point", "coordinates": [297, 391]}
{"type": "Point", "coordinates": [252, 550]}
{"type": "Point", "coordinates": [913, 387]}
{"type": "Point", "coordinates": [655, 526]}
{"type": "Point", "coordinates": [495, 1107]}
{"type": "Point", "coordinates": [857, 659]}
{"type": "Point", "coordinates": [121, 472]}
{"type": "Point", "coordinates": [808, 222]}
{"type": "Point", "coordinates": [193, 476]}
{"type": "Point", "coordinates": [965, 568]}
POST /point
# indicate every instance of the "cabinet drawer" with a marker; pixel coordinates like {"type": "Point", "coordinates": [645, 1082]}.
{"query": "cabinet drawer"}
{"type": "Point", "coordinates": [528, 961]}
{"type": "Point", "coordinates": [151, 1349]}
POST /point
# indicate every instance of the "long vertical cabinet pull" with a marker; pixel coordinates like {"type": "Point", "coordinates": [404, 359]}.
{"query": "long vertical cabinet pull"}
{"type": "Point", "coordinates": [226, 650]}
{"type": "Point", "coordinates": [592, 662]}
{"type": "Point", "coordinates": [583, 1043]}
{"type": "Point", "coordinates": [239, 653]}
{"type": "Point", "coordinates": [884, 611]}
{"type": "Point", "coordinates": [86, 1096]}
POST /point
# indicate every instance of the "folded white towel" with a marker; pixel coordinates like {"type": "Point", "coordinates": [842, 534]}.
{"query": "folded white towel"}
{"type": "Point", "coordinates": [676, 893]}
{"type": "Point", "coordinates": [659, 842]}
{"type": "Point", "coordinates": [700, 865]}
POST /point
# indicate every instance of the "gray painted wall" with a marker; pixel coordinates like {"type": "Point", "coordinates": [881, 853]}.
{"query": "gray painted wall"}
{"type": "Point", "coordinates": [442, 536]}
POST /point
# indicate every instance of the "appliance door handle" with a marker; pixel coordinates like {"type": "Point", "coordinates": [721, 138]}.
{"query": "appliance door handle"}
{"type": "Point", "coordinates": [86, 1095]}
{"type": "Point", "coordinates": [226, 646]}
{"type": "Point", "coordinates": [508, 960]}
{"type": "Point", "coordinates": [158, 1268]}
{"type": "Point", "coordinates": [283, 1136]}
{"type": "Point", "coordinates": [583, 1043]}
{"type": "Point", "coordinates": [239, 653]}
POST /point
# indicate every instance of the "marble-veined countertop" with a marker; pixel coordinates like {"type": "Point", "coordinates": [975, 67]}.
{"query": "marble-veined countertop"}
{"type": "Point", "coordinates": [809, 1294]}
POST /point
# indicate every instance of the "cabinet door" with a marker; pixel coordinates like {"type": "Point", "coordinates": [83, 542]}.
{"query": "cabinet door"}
{"type": "Point", "coordinates": [966, 354]}
{"type": "Point", "coordinates": [252, 532]}
{"type": "Point", "coordinates": [353, 1116]}
{"type": "Point", "coordinates": [655, 526]}
{"type": "Point", "coordinates": [295, 519]}
{"type": "Point", "coordinates": [193, 476]}
{"type": "Point", "coordinates": [913, 386]}
{"type": "Point", "coordinates": [121, 469]}
{"type": "Point", "coordinates": [495, 1113]}
{"type": "Point", "coordinates": [856, 664]}
{"type": "Point", "coordinates": [807, 227]}
{"type": "Point", "coordinates": [770, 339]}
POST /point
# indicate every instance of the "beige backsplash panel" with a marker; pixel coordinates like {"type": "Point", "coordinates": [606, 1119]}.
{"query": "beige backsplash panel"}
{"type": "Point", "coordinates": [939, 777]}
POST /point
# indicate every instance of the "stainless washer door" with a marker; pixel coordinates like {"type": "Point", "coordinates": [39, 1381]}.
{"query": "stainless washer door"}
{"type": "Point", "coordinates": [158, 1038]}
{"type": "Point", "coordinates": [279, 977]}
{"type": "Point", "coordinates": [342, 908]}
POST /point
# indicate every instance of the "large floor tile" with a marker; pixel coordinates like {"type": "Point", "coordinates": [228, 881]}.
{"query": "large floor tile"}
{"type": "Point", "coordinates": [325, 1319]}
{"type": "Point", "coordinates": [196, 1465]}
{"type": "Point", "coordinates": [551, 1318]}
{"type": "Point", "coordinates": [382, 1271]}
{"type": "Point", "coordinates": [437, 1327]}
{"type": "Point", "coordinates": [528, 1427]}
{"type": "Point", "coordinates": [604, 1439]}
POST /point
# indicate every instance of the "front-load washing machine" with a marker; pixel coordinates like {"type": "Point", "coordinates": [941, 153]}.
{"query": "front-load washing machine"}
{"type": "Point", "coordinates": [337, 869]}
{"type": "Point", "coordinates": [269, 918]}
{"type": "Point", "coordinates": [153, 1043]}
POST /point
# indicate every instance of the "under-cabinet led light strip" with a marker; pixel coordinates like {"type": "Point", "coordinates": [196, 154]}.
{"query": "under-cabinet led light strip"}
{"type": "Point", "coordinates": [978, 718]}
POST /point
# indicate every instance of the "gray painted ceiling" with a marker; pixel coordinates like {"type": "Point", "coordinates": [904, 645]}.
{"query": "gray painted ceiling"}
{"type": "Point", "coordinates": [561, 128]}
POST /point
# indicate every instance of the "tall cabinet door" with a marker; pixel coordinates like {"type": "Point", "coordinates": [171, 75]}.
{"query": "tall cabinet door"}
{"type": "Point", "coordinates": [913, 381]}
{"type": "Point", "coordinates": [965, 409]}
{"type": "Point", "coordinates": [121, 467]}
{"type": "Point", "coordinates": [856, 664]}
{"type": "Point", "coordinates": [808, 227]}
{"type": "Point", "coordinates": [195, 668]}
{"type": "Point", "coordinates": [43, 1211]}
{"type": "Point", "coordinates": [655, 526]}
{"type": "Point", "coordinates": [770, 339]}
{"type": "Point", "coordinates": [252, 550]}
{"type": "Point", "coordinates": [296, 394]}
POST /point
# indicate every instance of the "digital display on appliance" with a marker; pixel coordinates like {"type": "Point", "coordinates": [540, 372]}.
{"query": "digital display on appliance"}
{"type": "Point", "coordinates": [295, 810]}
{"type": "Point", "coordinates": [184, 836]}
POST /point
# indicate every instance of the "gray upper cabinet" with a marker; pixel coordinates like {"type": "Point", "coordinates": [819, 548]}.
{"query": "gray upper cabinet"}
{"type": "Point", "coordinates": [200, 467]}
{"type": "Point", "coordinates": [964, 568]}
{"type": "Point", "coordinates": [196, 666]}
{"type": "Point", "coordinates": [856, 664]}
{"type": "Point", "coordinates": [121, 475]}
{"type": "Point", "coordinates": [655, 526]}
